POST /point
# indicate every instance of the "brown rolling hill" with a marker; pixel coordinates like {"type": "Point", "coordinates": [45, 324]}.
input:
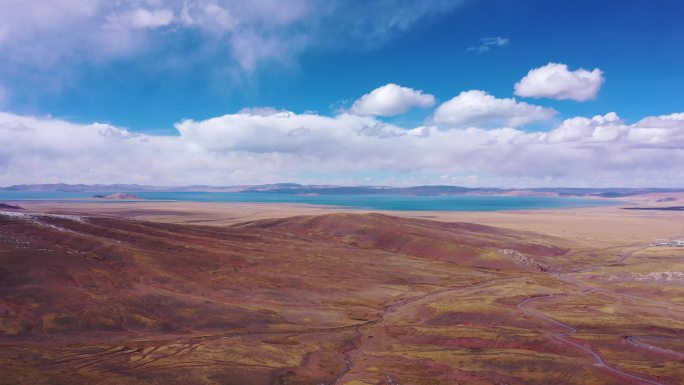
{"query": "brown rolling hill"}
{"type": "Point", "coordinates": [461, 243]}
{"type": "Point", "coordinates": [333, 299]}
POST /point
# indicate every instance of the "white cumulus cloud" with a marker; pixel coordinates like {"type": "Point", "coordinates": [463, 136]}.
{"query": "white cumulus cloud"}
{"type": "Point", "coordinates": [555, 81]}
{"type": "Point", "coordinates": [391, 99]}
{"type": "Point", "coordinates": [596, 129]}
{"type": "Point", "coordinates": [480, 109]}
{"type": "Point", "coordinates": [267, 145]}
{"type": "Point", "coordinates": [665, 131]}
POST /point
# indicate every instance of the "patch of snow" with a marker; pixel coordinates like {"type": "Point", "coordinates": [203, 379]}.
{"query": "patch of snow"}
{"type": "Point", "coordinates": [36, 219]}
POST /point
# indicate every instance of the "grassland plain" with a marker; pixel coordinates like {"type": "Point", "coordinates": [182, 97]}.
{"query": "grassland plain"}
{"type": "Point", "coordinates": [120, 297]}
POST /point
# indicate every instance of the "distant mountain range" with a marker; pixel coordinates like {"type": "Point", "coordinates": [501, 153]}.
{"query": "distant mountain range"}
{"type": "Point", "coordinates": [294, 188]}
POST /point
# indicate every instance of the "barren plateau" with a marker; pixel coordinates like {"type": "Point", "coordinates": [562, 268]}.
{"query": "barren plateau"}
{"type": "Point", "coordinates": [182, 293]}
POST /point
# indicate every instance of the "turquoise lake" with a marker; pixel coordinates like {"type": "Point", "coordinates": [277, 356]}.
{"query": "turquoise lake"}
{"type": "Point", "coordinates": [360, 201]}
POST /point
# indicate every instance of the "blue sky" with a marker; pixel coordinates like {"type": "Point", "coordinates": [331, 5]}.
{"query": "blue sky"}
{"type": "Point", "coordinates": [638, 44]}
{"type": "Point", "coordinates": [146, 66]}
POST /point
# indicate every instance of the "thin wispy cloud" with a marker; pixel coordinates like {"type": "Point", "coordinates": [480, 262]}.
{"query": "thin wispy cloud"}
{"type": "Point", "coordinates": [488, 43]}
{"type": "Point", "coordinates": [55, 37]}
{"type": "Point", "coordinates": [47, 44]}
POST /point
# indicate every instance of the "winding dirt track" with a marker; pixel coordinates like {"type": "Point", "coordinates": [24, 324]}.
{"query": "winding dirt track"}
{"type": "Point", "coordinates": [348, 363]}
{"type": "Point", "coordinates": [564, 337]}
{"type": "Point", "coordinates": [588, 290]}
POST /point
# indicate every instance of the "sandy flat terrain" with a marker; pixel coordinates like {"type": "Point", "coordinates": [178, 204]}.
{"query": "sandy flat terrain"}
{"type": "Point", "coordinates": [608, 223]}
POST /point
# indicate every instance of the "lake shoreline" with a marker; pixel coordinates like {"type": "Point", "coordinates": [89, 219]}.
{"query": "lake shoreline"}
{"type": "Point", "coordinates": [386, 202]}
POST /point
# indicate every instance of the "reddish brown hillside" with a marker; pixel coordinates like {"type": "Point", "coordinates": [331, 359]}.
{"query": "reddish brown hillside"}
{"type": "Point", "coordinates": [460, 243]}
{"type": "Point", "coordinates": [112, 301]}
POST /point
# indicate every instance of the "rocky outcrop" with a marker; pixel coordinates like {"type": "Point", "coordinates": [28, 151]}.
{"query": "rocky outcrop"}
{"type": "Point", "coordinates": [526, 260]}
{"type": "Point", "coordinates": [656, 276]}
